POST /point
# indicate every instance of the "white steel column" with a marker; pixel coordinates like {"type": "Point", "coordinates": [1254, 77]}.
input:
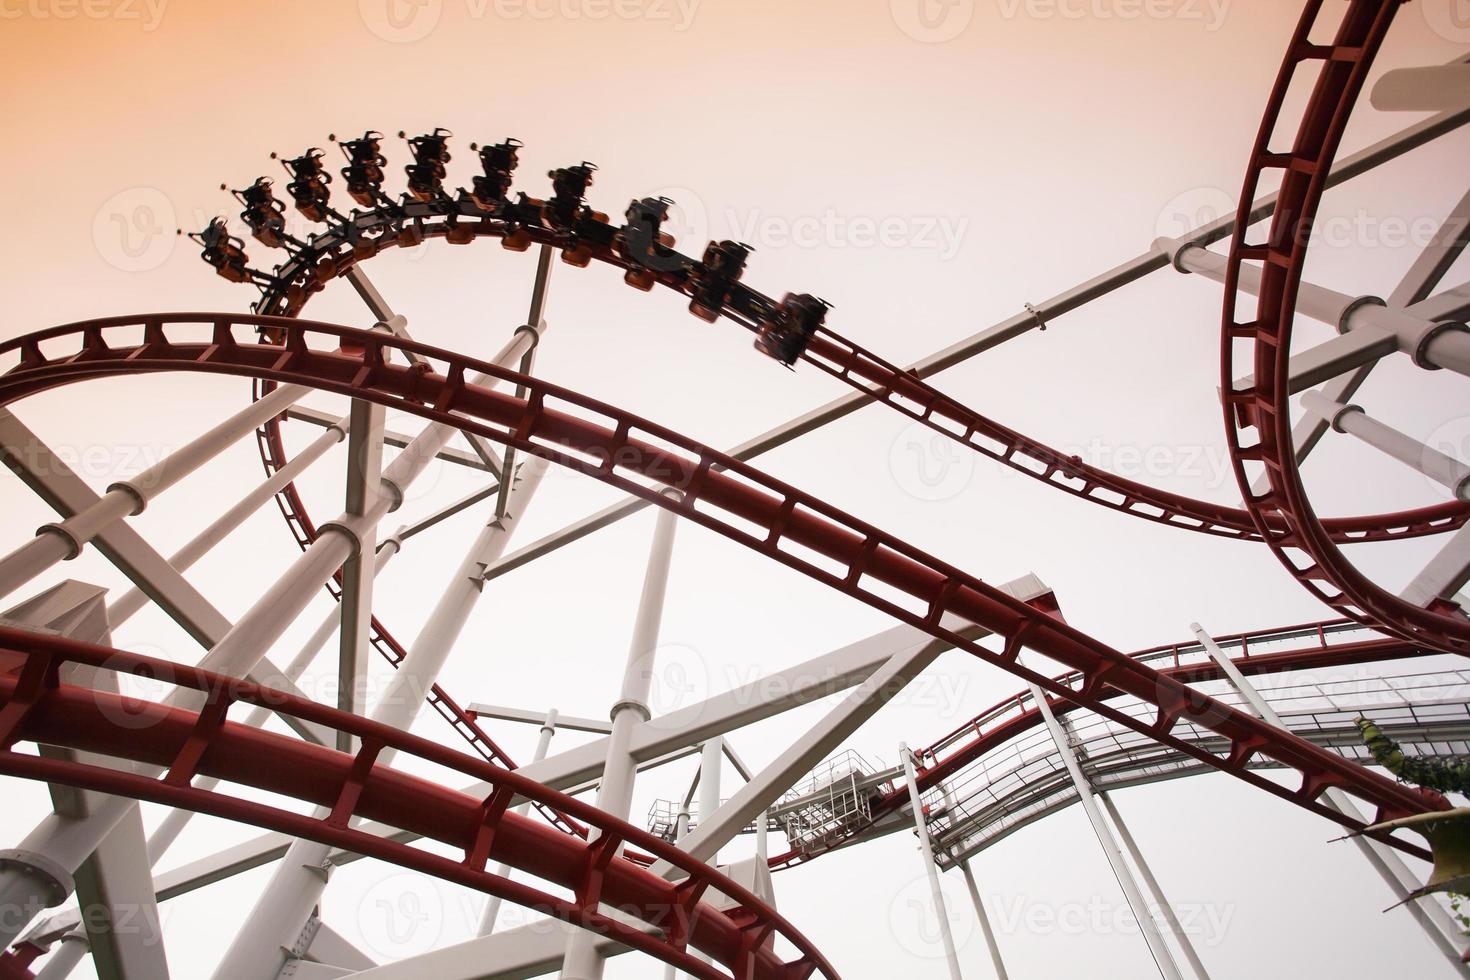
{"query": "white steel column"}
{"type": "Point", "coordinates": [681, 827]}
{"type": "Point", "coordinates": [711, 769]}
{"type": "Point", "coordinates": [242, 647]}
{"type": "Point", "coordinates": [1445, 574]}
{"type": "Point", "coordinates": [57, 542]}
{"type": "Point", "coordinates": [65, 957]}
{"type": "Point", "coordinates": [931, 870]}
{"type": "Point", "coordinates": [974, 889]}
{"type": "Point", "coordinates": [1351, 419]}
{"type": "Point", "coordinates": [1430, 344]}
{"type": "Point", "coordinates": [261, 949]}
{"type": "Point", "coordinates": [543, 744]}
{"type": "Point", "coordinates": [615, 792]}
{"type": "Point", "coordinates": [1156, 891]}
{"type": "Point", "coordinates": [1168, 969]}
{"type": "Point", "coordinates": [205, 541]}
{"type": "Point", "coordinates": [1430, 915]}
{"type": "Point", "coordinates": [364, 487]}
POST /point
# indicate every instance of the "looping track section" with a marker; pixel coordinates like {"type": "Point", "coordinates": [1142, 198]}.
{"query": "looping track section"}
{"type": "Point", "coordinates": [1258, 419]}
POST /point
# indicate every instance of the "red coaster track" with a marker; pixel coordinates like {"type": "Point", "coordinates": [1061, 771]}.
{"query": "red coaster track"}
{"type": "Point", "coordinates": [716, 491]}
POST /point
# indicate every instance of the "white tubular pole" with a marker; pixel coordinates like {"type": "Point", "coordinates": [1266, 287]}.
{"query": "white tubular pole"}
{"type": "Point", "coordinates": [172, 825]}
{"type": "Point", "coordinates": [615, 792]}
{"type": "Point", "coordinates": [931, 870]}
{"type": "Point", "coordinates": [1430, 915]}
{"type": "Point", "coordinates": [205, 541]}
{"type": "Point", "coordinates": [711, 767]}
{"type": "Point", "coordinates": [364, 487]}
{"type": "Point", "coordinates": [543, 745]}
{"type": "Point", "coordinates": [1430, 344]}
{"type": "Point", "coordinates": [241, 648]}
{"type": "Point", "coordinates": [1351, 419]}
{"type": "Point", "coordinates": [58, 542]}
{"type": "Point", "coordinates": [1154, 888]}
{"type": "Point", "coordinates": [681, 827]}
{"type": "Point", "coordinates": [1164, 959]}
{"type": "Point", "coordinates": [72, 947]}
{"type": "Point", "coordinates": [973, 888]}
{"type": "Point", "coordinates": [262, 947]}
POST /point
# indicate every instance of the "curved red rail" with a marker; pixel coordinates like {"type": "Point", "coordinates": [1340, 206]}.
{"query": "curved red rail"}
{"type": "Point", "coordinates": [717, 492]}
{"type": "Point", "coordinates": [1016, 715]}
{"type": "Point", "coordinates": [1283, 515]}
{"type": "Point", "coordinates": [36, 706]}
{"type": "Point", "coordinates": [331, 255]}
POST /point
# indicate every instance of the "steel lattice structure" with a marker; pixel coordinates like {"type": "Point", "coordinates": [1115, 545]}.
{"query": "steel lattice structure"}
{"type": "Point", "coordinates": [1143, 715]}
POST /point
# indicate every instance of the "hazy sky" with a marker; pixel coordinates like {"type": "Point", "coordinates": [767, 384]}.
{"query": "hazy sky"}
{"type": "Point", "coordinates": [928, 168]}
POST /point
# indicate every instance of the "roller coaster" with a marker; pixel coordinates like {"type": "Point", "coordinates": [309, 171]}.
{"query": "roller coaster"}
{"type": "Point", "coordinates": [1092, 718]}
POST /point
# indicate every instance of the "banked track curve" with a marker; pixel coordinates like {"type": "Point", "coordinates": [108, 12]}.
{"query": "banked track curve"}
{"type": "Point", "coordinates": [461, 220]}
{"type": "Point", "coordinates": [36, 705]}
{"type": "Point", "coordinates": [715, 491]}
{"type": "Point", "coordinates": [1258, 419]}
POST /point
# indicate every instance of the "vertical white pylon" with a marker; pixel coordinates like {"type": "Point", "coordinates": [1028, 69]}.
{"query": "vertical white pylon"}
{"type": "Point", "coordinates": [931, 870]}
{"type": "Point", "coordinates": [615, 792]}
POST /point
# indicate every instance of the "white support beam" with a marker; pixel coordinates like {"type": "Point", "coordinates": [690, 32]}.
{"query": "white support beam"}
{"type": "Point", "coordinates": [205, 541]}
{"type": "Point", "coordinates": [1426, 910]}
{"type": "Point", "coordinates": [58, 542]}
{"type": "Point", "coordinates": [1156, 891]}
{"type": "Point", "coordinates": [261, 949]}
{"type": "Point", "coordinates": [537, 948]}
{"type": "Point", "coordinates": [1431, 344]}
{"type": "Point", "coordinates": [1448, 472]}
{"type": "Point", "coordinates": [54, 482]}
{"type": "Point", "coordinates": [986, 929]}
{"type": "Point", "coordinates": [364, 488]}
{"type": "Point", "coordinates": [397, 325]}
{"type": "Point", "coordinates": [1157, 948]}
{"type": "Point", "coordinates": [670, 735]}
{"type": "Point", "coordinates": [1451, 304]}
{"type": "Point", "coordinates": [1446, 574]}
{"type": "Point", "coordinates": [330, 948]}
{"type": "Point", "coordinates": [391, 437]}
{"type": "Point", "coordinates": [615, 791]}
{"type": "Point", "coordinates": [931, 870]}
{"type": "Point", "coordinates": [1431, 88]}
{"type": "Point", "coordinates": [1435, 259]}
{"type": "Point", "coordinates": [569, 722]}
